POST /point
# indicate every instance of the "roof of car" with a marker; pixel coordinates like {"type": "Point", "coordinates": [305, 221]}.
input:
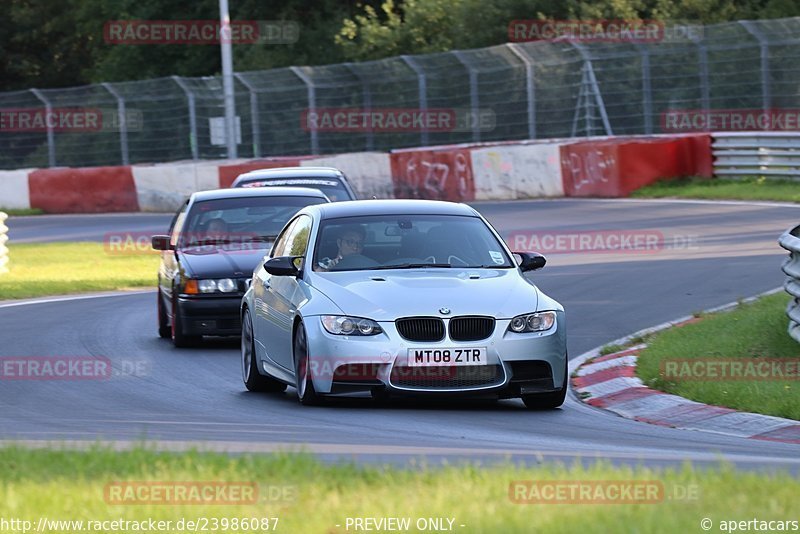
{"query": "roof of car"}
{"type": "Point", "coordinates": [356, 208]}
{"type": "Point", "coordinates": [291, 172]}
{"type": "Point", "coordinates": [217, 194]}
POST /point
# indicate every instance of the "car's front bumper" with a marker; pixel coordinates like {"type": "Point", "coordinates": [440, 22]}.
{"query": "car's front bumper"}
{"type": "Point", "coordinates": [210, 316]}
{"type": "Point", "coordinates": [516, 363]}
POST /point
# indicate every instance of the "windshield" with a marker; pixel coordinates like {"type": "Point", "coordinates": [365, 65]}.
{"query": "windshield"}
{"type": "Point", "coordinates": [240, 220]}
{"type": "Point", "coordinates": [333, 189]}
{"type": "Point", "coordinates": [407, 242]}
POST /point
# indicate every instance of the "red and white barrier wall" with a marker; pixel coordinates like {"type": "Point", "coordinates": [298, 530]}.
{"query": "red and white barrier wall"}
{"type": "Point", "coordinates": [605, 167]}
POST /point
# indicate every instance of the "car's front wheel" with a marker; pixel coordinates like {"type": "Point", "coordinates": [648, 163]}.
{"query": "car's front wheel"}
{"type": "Point", "coordinates": [179, 339]}
{"type": "Point", "coordinates": [303, 371]}
{"type": "Point", "coordinates": [253, 380]}
{"type": "Point", "coordinates": [552, 400]}
{"type": "Point", "coordinates": [163, 324]}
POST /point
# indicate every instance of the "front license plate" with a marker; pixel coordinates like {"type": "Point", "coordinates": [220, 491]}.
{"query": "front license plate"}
{"type": "Point", "coordinates": [446, 357]}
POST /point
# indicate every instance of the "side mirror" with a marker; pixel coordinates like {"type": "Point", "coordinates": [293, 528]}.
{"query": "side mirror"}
{"type": "Point", "coordinates": [530, 261]}
{"type": "Point", "coordinates": [160, 242]}
{"type": "Point", "coordinates": [284, 265]}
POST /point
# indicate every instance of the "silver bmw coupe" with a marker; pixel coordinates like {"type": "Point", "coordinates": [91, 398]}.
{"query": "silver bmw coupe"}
{"type": "Point", "coordinates": [401, 297]}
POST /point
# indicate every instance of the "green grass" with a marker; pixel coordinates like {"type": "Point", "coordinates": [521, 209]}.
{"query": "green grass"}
{"type": "Point", "coordinates": [754, 330]}
{"type": "Point", "coordinates": [12, 212]}
{"type": "Point", "coordinates": [70, 486]}
{"type": "Point", "coordinates": [60, 268]}
{"type": "Point", "coordinates": [749, 188]}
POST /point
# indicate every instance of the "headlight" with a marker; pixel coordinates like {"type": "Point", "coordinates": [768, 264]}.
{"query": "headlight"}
{"type": "Point", "coordinates": [223, 285]}
{"type": "Point", "coordinates": [533, 322]}
{"type": "Point", "coordinates": [343, 325]}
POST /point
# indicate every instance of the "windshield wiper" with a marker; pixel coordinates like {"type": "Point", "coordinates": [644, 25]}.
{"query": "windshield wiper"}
{"type": "Point", "coordinates": [414, 266]}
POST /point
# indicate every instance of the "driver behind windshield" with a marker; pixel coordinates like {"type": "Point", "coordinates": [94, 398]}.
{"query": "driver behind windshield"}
{"type": "Point", "coordinates": [350, 242]}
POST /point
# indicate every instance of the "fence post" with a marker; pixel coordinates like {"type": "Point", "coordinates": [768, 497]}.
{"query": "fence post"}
{"type": "Point", "coordinates": [763, 43]}
{"type": "Point", "coordinates": [312, 104]}
{"type": "Point", "coordinates": [473, 94]}
{"type": "Point", "coordinates": [702, 59]}
{"type": "Point", "coordinates": [530, 85]}
{"type": "Point", "coordinates": [422, 87]}
{"type": "Point", "coordinates": [192, 117]}
{"type": "Point", "coordinates": [367, 96]}
{"type": "Point", "coordinates": [255, 127]}
{"type": "Point", "coordinates": [3, 240]}
{"type": "Point", "coordinates": [123, 124]}
{"type": "Point", "coordinates": [592, 81]}
{"type": "Point", "coordinates": [647, 92]}
{"type": "Point", "coordinates": [51, 141]}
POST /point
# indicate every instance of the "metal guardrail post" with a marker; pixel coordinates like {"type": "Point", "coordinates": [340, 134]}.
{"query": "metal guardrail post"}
{"type": "Point", "coordinates": [3, 240]}
{"type": "Point", "coordinates": [422, 87]}
{"type": "Point", "coordinates": [790, 240]}
{"type": "Point", "coordinates": [192, 117]}
{"type": "Point", "coordinates": [51, 140]}
{"type": "Point", "coordinates": [255, 127]}
{"type": "Point", "coordinates": [312, 104]}
{"type": "Point", "coordinates": [123, 124]}
{"type": "Point", "coordinates": [530, 86]}
{"type": "Point", "coordinates": [474, 98]}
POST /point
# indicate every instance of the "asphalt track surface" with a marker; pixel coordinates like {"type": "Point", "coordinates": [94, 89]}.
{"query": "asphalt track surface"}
{"type": "Point", "coordinates": [709, 254]}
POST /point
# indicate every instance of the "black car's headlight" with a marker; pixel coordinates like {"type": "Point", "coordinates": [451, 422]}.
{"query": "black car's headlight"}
{"type": "Point", "coordinates": [206, 286]}
{"type": "Point", "coordinates": [533, 322]}
{"type": "Point", "coordinates": [344, 325]}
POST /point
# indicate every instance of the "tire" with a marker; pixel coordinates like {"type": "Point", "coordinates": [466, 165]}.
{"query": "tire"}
{"type": "Point", "coordinates": [253, 380]}
{"type": "Point", "coordinates": [549, 401]}
{"type": "Point", "coordinates": [306, 393]}
{"type": "Point", "coordinates": [164, 330]}
{"type": "Point", "coordinates": [179, 339]}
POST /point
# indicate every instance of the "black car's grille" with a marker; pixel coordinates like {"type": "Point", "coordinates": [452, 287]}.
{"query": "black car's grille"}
{"type": "Point", "coordinates": [421, 328]}
{"type": "Point", "coordinates": [471, 328]}
{"type": "Point", "coordinates": [453, 377]}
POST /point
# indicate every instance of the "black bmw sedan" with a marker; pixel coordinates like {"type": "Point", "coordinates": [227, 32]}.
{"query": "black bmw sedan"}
{"type": "Point", "coordinates": [215, 241]}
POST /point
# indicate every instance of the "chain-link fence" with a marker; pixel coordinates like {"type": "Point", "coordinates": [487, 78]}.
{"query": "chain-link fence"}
{"type": "Point", "coordinates": [528, 90]}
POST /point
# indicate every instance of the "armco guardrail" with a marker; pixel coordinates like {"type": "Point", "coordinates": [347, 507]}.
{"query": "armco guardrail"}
{"type": "Point", "coordinates": [3, 247]}
{"type": "Point", "coordinates": [756, 154]}
{"type": "Point", "coordinates": [790, 240]}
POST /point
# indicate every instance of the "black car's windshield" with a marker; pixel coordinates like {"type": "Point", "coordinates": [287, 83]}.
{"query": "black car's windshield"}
{"type": "Point", "coordinates": [333, 189]}
{"type": "Point", "coordinates": [407, 242]}
{"type": "Point", "coordinates": [240, 220]}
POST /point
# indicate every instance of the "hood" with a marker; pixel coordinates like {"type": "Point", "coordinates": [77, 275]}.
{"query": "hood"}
{"type": "Point", "coordinates": [222, 262]}
{"type": "Point", "coordinates": [387, 295]}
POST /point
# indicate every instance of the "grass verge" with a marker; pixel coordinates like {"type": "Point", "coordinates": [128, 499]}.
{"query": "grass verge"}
{"type": "Point", "coordinates": [37, 270]}
{"type": "Point", "coordinates": [308, 496]}
{"type": "Point", "coordinates": [749, 188]}
{"type": "Point", "coordinates": [753, 332]}
{"type": "Point", "coordinates": [18, 212]}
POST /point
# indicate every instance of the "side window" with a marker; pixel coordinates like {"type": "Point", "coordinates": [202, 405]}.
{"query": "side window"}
{"type": "Point", "coordinates": [279, 248]}
{"type": "Point", "coordinates": [297, 243]}
{"type": "Point", "coordinates": [177, 224]}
